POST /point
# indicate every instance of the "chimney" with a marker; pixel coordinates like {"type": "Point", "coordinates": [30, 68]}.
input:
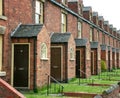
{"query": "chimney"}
{"type": "Point", "coordinates": [87, 13]}
{"type": "Point", "coordinates": [106, 26]}
{"type": "Point", "coordinates": [95, 18]}
{"type": "Point", "coordinates": [100, 21]}
{"type": "Point", "coordinates": [76, 6]}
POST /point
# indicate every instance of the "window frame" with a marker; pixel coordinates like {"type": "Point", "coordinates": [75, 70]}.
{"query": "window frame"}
{"type": "Point", "coordinates": [1, 52]}
{"type": "Point", "coordinates": [44, 51]}
{"type": "Point", "coordinates": [1, 7]}
{"type": "Point", "coordinates": [63, 22]}
{"type": "Point", "coordinates": [79, 29]}
{"type": "Point", "coordinates": [72, 54]}
{"type": "Point", "coordinates": [39, 10]}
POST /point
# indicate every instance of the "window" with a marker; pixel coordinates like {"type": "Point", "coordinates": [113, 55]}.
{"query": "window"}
{"type": "Point", "coordinates": [1, 7]}
{"type": "Point", "coordinates": [39, 12]}
{"type": "Point", "coordinates": [63, 23]}
{"type": "Point", "coordinates": [72, 57]}
{"type": "Point", "coordinates": [91, 34]}
{"type": "Point", "coordinates": [79, 29]}
{"type": "Point", "coordinates": [0, 52]}
{"type": "Point", "coordinates": [64, 1]}
{"type": "Point", "coordinates": [43, 51]}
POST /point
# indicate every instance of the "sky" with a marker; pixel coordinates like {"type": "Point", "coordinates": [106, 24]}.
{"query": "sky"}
{"type": "Point", "coordinates": [109, 9]}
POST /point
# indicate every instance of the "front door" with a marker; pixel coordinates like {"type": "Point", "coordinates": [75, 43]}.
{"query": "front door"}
{"type": "Point", "coordinates": [56, 63]}
{"type": "Point", "coordinates": [21, 62]}
{"type": "Point", "coordinates": [77, 63]}
{"type": "Point", "coordinates": [109, 60]}
{"type": "Point", "coordinates": [92, 63]}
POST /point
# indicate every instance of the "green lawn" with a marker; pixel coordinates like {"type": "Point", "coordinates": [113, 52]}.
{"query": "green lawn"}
{"type": "Point", "coordinates": [73, 85]}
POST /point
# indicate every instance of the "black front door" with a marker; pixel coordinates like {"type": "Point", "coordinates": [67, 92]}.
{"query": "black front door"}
{"type": "Point", "coordinates": [77, 63]}
{"type": "Point", "coordinates": [21, 62]}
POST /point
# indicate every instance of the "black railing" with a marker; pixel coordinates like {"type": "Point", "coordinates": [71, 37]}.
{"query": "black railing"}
{"type": "Point", "coordinates": [85, 80]}
{"type": "Point", "coordinates": [107, 75]}
{"type": "Point", "coordinates": [55, 87]}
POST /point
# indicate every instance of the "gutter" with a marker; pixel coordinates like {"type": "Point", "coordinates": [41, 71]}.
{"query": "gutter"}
{"type": "Point", "coordinates": [83, 19]}
{"type": "Point", "coordinates": [34, 69]}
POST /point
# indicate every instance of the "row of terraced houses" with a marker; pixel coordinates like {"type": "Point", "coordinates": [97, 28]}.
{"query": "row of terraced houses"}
{"type": "Point", "coordinates": [61, 38]}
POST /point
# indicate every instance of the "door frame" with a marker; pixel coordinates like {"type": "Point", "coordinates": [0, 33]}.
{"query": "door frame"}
{"type": "Point", "coordinates": [61, 47]}
{"type": "Point", "coordinates": [12, 67]}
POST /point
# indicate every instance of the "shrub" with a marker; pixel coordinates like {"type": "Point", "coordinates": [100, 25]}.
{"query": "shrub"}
{"type": "Point", "coordinates": [103, 66]}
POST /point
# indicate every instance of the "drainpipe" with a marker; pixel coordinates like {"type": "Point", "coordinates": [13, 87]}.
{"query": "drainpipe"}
{"type": "Point", "coordinates": [34, 69]}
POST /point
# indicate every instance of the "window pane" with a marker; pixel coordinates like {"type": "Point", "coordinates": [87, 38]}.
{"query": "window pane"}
{"type": "Point", "coordinates": [43, 51]}
{"type": "Point", "coordinates": [38, 7]}
{"type": "Point", "coordinates": [37, 19]}
{"type": "Point", "coordinates": [79, 29]}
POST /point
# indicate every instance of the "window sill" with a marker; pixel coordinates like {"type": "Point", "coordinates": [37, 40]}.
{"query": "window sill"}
{"type": "Point", "coordinates": [44, 59]}
{"type": "Point", "coordinates": [72, 59]}
{"type": "Point", "coordinates": [3, 17]}
{"type": "Point", "coordinates": [2, 73]}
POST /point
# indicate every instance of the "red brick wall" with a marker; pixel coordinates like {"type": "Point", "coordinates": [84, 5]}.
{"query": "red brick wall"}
{"type": "Point", "coordinates": [16, 12]}
{"type": "Point", "coordinates": [52, 17]}
{"type": "Point", "coordinates": [71, 62]}
{"type": "Point", "coordinates": [7, 91]}
{"type": "Point", "coordinates": [43, 66]}
{"type": "Point", "coordinates": [72, 25]}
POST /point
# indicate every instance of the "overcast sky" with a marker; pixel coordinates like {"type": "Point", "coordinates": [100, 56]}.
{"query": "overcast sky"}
{"type": "Point", "coordinates": [109, 9]}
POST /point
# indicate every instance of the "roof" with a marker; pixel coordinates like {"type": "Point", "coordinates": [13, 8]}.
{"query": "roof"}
{"type": "Point", "coordinates": [87, 8]}
{"type": "Point", "coordinates": [81, 42]}
{"type": "Point", "coordinates": [94, 44]}
{"type": "Point", "coordinates": [109, 47]}
{"type": "Point", "coordinates": [106, 22]}
{"type": "Point", "coordinates": [60, 37]}
{"type": "Point", "coordinates": [113, 50]}
{"type": "Point", "coordinates": [103, 47]}
{"type": "Point", "coordinates": [95, 14]}
{"type": "Point", "coordinates": [28, 30]}
{"type": "Point", "coordinates": [100, 18]}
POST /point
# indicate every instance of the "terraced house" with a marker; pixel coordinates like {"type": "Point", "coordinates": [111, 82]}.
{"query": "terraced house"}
{"type": "Point", "coordinates": [58, 38]}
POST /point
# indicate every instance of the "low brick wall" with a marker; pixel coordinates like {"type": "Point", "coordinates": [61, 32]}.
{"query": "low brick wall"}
{"type": "Point", "coordinates": [112, 92]}
{"type": "Point", "coordinates": [7, 91]}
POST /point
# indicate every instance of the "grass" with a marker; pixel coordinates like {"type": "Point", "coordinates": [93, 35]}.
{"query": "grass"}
{"type": "Point", "coordinates": [73, 85]}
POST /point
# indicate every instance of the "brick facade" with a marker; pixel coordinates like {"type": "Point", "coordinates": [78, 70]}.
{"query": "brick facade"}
{"type": "Point", "coordinates": [24, 12]}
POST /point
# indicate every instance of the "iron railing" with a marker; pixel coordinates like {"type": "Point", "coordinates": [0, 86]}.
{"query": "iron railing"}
{"type": "Point", "coordinates": [55, 87]}
{"type": "Point", "coordinates": [85, 80]}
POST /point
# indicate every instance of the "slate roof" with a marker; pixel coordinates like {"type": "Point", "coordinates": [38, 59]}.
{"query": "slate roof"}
{"type": "Point", "coordinates": [87, 8]}
{"type": "Point", "coordinates": [81, 42]}
{"type": "Point", "coordinates": [109, 47]}
{"type": "Point", "coordinates": [113, 50]}
{"type": "Point", "coordinates": [95, 14]}
{"type": "Point", "coordinates": [60, 37]}
{"type": "Point", "coordinates": [117, 50]}
{"type": "Point", "coordinates": [94, 44]}
{"type": "Point", "coordinates": [103, 47]}
{"type": "Point", "coordinates": [28, 30]}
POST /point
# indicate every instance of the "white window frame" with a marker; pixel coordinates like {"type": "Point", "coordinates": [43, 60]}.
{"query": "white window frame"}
{"type": "Point", "coordinates": [0, 53]}
{"type": "Point", "coordinates": [79, 30]}
{"type": "Point", "coordinates": [39, 12]}
{"type": "Point", "coordinates": [64, 1]}
{"type": "Point", "coordinates": [72, 54]}
{"type": "Point", "coordinates": [1, 7]}
{"type": "Point", "coordinates": [43, 53]}
{"type": "Point", "coordinates": [63, 23]}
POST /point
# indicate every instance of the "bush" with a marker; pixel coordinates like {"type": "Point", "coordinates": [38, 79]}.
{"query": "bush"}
{"type": "Point", "coordinates": [103, 66]}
